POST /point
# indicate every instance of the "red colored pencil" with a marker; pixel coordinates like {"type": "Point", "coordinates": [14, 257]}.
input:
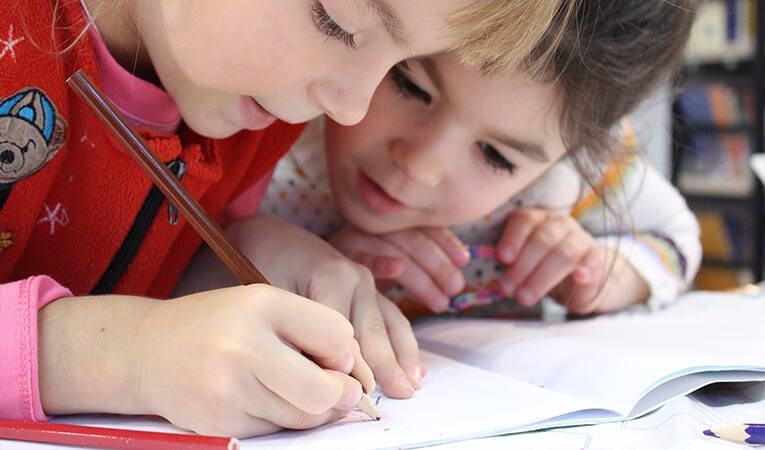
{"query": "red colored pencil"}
{"type": "Point", "coordinates": [82, 436]}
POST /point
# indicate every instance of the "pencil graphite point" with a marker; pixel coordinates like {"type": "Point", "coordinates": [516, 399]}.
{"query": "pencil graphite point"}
{"type": "Point", "coordinates": [367, 406]}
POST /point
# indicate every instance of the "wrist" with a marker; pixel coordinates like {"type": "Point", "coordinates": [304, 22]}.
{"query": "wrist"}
{"type": "Point", "coordinates": [88, 355]}
{"type": "Point", "coordinates": [624, 286]}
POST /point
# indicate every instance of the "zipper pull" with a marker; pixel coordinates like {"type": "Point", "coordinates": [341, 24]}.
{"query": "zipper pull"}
{"type": "Point", "coordinates": [178, 167]}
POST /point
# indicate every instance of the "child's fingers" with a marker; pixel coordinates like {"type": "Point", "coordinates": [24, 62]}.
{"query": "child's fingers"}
{"type": "Point", "coordinates": [294, 377]}
{"type": "Point", "coordinates": [433, 260]}
{"type": "Point", "coordinates": [403, 341]}
{"type": "Point", "coordinates": [592, 266]}
{"type": "Point", "coordinates": [320, 331]}
{"type": "Point", "coordinates": [554, 267]}
{"type": "Point", "coordinates": [380, 257]}
{"type": "Point", "coordinates": [422, 287]}
{"type": "Point", "coordinates": [376, 346]}
{"type": "Point", "coordinates": [266, 411]}
{"type": "Point", "coordinates": [361, 370]}
{"type": "Point", "coordinates": [450, 243]}
{"type": "Point", "coordinates": [545, 237]}
{"type": "Point", "coordinates": [382, 266]}
{"type": "Point", "coordinates": [519, 226]}
{"type": "Point", "coordinates": [385, 267]}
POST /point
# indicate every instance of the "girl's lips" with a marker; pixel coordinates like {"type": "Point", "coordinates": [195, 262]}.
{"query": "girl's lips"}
{"type": "Point", "coordinates": [376, 198]}
{"type": "Point", "coordinates": [255, 117]}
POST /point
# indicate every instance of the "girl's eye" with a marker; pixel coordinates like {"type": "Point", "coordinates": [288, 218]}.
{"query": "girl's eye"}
{"type": "Point", "coordinates": [329, 27]}
{"type": "Point", "coordinates": [494, 158]}
{"type": "Point", "coordinates": [407, 87]}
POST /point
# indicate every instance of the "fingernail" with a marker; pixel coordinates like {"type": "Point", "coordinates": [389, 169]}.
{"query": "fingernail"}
{"type": "Point", "coordinates": [441, 303]}
{"type": "Point", "coordinates": [415, 377]}
{"type": "Point", "coordinates": [404, 381]}
{"type": "Point", "coordinates": [525, 296]}
{"type": "Point", "coordinates": [347, 364]}
{"type": "Point", "coordinates": [464, 256]}
{"type": "Point", "coordinates": [507, 254]}
{"type": "Point", "coordinates": [582, 274]}
{"type": "Point", "coordinates": [455, 284]}
{"type": "Point", "coordinates": [508, 288]}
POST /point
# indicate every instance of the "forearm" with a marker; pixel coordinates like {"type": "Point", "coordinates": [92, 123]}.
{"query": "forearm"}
{"type": "Point", "coordinates": [89, 356]}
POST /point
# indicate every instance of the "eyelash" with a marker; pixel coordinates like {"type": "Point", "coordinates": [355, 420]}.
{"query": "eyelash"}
{"type": "Point", "coordinates": [329, 27]}
{"type": "Point", "coordinates": [408, 88]}
{"type": "Point", "coordinates": [494, 158]}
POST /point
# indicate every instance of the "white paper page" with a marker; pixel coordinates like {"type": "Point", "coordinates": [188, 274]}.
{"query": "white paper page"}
{"type": "Point", "coordinates": [677, 426]}
{"type": "Point", "coordinates": [456, 402]}
{"type": "Point", "coordinates": [611, 360]}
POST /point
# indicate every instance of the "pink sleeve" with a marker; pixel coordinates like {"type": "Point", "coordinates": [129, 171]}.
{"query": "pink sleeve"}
{"type": "Point", "coordinates": [19, 302]}
{"type": "Point", "coordinates": [248, 201]}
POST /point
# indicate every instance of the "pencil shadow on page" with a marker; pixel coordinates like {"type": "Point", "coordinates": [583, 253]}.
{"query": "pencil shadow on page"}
{"type": "Point", "coordinates": [725, 394]}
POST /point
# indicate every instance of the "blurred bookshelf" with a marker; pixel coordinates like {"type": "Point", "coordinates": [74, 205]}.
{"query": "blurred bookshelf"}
{"type": "Point", "coordinates": [718, 125]}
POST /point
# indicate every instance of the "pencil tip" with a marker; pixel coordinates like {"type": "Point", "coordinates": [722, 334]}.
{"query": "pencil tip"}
{"type": "Point", "coordinates": [378, 418]}
{"type": "Point", "coordinates": [710, 433]}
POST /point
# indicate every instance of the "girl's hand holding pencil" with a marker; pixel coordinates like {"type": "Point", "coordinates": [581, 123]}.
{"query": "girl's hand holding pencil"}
{"type": "Point", "coordinates": [234, 362]}
{"type": "Point", "coordinates": [324, 275]}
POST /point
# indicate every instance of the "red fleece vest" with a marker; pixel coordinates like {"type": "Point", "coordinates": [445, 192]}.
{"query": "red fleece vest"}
{"type": "Point", "coordinates": [71, 191]}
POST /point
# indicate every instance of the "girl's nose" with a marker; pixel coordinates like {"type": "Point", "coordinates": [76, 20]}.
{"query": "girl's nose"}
{"type": "Point", "coordinates": [419, 160]}
{"type": "Point", "coordinates": [345, 93]}
{"type": "Point", "coordinates": [345, 105]}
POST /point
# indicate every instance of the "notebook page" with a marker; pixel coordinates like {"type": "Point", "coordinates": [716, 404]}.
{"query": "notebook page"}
{"type": "Point", "coordinates": [456, 402]}
{"type": "Point", "coordinates": [611, 361]}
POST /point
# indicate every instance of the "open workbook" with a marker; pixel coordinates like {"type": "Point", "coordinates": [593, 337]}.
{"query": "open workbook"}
{"type": "Point", "coordinates": [490, 377]}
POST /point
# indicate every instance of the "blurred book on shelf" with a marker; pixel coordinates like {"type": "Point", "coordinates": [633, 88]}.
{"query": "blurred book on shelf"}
{"type": "Point", "coordinates": [728, 241]}
{"type": "Point", "coordinates": [721, 278]}
{"type": "Point", "coordinates": [724, 30]}
{"type": "Point", "coordinates": [716, 164]}
{"type": "Point", "coordinates": [707, 104]}
{"type": "Point", "coordinates": [726, 237]}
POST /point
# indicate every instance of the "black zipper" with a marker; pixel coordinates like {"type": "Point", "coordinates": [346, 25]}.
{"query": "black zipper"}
{"type": "Point", "coordinates": [137, 232]}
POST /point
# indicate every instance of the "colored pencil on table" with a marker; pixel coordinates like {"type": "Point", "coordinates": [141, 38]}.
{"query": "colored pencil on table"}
{"type": "Point", "coordinates": [82, 436]}
{"type": "Point", "coordinates": [176, 193]}
{"type": "Point", "coordinates": [745, 433]}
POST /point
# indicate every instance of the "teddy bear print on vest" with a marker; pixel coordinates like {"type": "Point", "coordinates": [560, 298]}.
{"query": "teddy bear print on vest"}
{"type": "Point", "coordinates": [31, 133]}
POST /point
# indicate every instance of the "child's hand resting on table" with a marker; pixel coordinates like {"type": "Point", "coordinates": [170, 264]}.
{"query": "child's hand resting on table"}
{"type": "Point", "coordinates": [301, 262]}
{"type": "Point", "coordinates": [545, 254]}
{"type": "Point", "coordinates": [551, 254]}
{"type": "Point", "coordinates": [424, 261]}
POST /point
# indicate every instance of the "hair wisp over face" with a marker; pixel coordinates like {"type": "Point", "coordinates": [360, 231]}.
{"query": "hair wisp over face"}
{"type": "Point", "coordinates": [497, 36]}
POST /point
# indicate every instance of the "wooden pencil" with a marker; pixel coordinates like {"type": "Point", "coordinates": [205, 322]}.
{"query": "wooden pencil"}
{"type": "Point", "coordinates": [82, 436]}
{"type": "Point", "coordinates": [174, 190]}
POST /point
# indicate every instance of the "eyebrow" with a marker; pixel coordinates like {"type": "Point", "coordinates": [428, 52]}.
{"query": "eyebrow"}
{"type": "Point", "coordinates": [390, 21]}
{"type": "Point", "coordinates": [530, 149]}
